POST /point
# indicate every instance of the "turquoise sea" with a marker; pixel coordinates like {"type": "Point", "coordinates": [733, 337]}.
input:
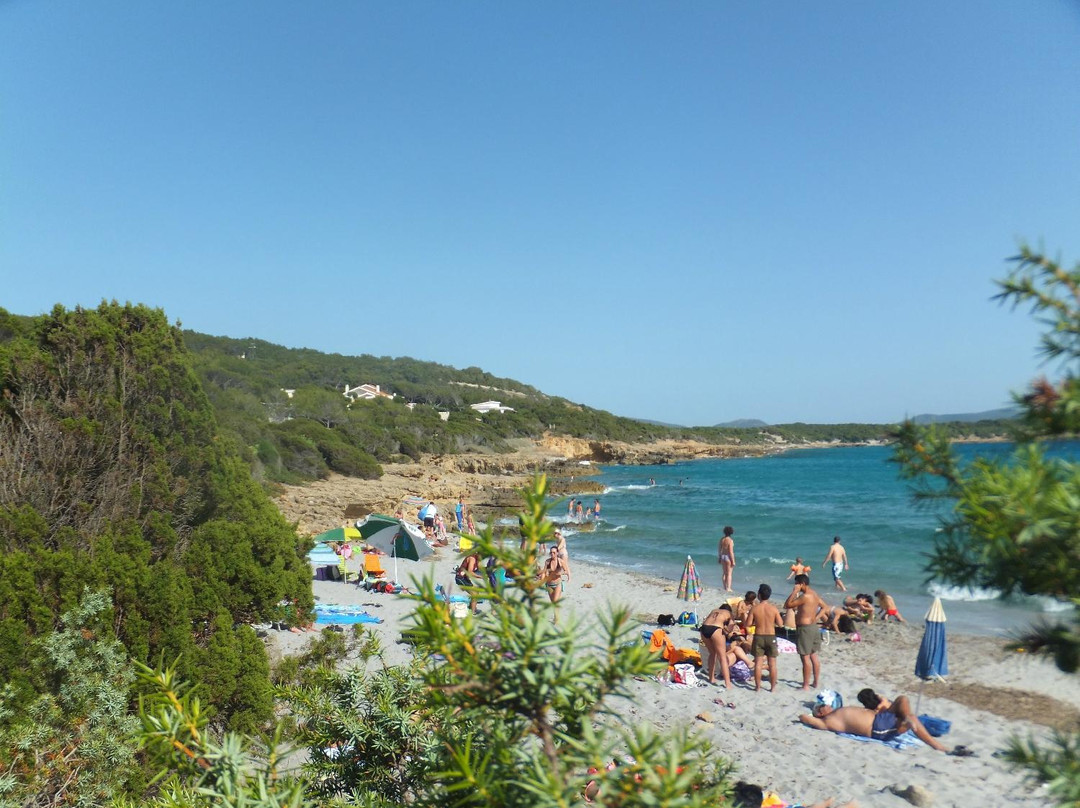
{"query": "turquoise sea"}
{"type": "Point", "coordinates": [783, 506]}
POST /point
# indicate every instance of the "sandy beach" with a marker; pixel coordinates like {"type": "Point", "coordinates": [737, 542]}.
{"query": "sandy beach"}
{"type": "Point", "coordinates": [990, 696]}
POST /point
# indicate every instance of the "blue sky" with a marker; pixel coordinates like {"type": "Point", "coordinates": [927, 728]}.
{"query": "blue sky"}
{"type": "Point", "coordinates": [688, 212]}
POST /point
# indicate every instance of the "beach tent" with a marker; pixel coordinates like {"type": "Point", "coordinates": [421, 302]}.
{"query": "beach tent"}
{"type": "Point", "coordinates": [690, 584]}
{"type": "Point", "coordinates": [338, 534]}
{"type": "Point", "coordinates": [933, 659]}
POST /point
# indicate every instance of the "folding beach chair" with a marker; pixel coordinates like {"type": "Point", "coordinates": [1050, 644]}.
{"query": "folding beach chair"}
{"type": "Point", "coordinates": [346, 573]}
{"type": "Point", "coordinates": [373, 566]}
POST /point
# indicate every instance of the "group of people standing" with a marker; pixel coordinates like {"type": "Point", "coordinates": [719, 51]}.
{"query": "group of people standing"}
{"type": "Point", "coordinates": [748, 632]}
{"type": "Point", "coordinates": [577, 512]}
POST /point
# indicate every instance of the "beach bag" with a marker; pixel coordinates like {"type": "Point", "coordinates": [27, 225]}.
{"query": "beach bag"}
{"type": "Point", "coordinates": [684, 674]}
{"type": "Point", "coordinates": [688, 619]}
{"type": "Point", "coordinates": [740, 672]}
{"type": "Point", "coordinates": [665, 620]}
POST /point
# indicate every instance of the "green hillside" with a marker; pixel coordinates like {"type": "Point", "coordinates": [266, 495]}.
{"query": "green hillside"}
{"type": "Point", "coordinates": [305, 434]}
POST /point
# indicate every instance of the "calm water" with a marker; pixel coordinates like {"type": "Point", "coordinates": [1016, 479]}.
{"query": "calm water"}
{"type": "Point", "coordinates": [781, 507]}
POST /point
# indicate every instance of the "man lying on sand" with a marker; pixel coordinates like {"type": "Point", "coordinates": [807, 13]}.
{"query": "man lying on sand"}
{"type": "Point", "coordinates": [883, 721]}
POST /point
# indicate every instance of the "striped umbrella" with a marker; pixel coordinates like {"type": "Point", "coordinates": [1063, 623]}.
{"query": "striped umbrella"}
{"type": "Point", "coordinates": [690, 584]}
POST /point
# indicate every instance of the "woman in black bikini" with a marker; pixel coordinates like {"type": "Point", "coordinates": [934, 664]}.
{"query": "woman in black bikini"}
{"type": "Point", "coordinates": [714, 633]}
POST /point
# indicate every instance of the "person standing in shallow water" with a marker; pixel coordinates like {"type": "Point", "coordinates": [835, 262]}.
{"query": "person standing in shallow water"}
{"type": "Point", "coordinates": [838, 556]}
{"type": "Point", "coordinates": [725, 556]}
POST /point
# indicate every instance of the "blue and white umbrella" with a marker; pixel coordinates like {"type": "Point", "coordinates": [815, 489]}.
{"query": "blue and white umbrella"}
{"type": "Point", "coordinates": [933, 659]}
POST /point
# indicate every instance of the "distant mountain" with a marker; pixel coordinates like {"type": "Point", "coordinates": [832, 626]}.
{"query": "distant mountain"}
{"type": "Point", "coordinates": [1003, 414]}
{"type": "Point", "coordinates": [742, 423]}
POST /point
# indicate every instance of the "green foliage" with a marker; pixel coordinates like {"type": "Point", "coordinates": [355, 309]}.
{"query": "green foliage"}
{"type": "Point", "coordinates": [113, 474]}
{"type": "Point", "coordinates": [1015, 522]}
{"type": "Point", "coordinates": [504, 708]}
{"type": "Point", "coordinates": [74, 744]}
{"type": "Point", "coordinates": [1056, 765]}
{"type": "Point", "coordinates": [198, 768]}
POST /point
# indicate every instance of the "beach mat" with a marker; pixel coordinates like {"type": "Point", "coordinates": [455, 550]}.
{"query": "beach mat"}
{"type": "Point", "coordinates": [903, 741]}
{"type": "Point", "coordinates": [346, 615]}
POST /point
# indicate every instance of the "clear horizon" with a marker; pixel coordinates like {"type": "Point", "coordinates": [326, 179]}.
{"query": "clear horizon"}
{"type": "Point", "coordinates": [690, 214]}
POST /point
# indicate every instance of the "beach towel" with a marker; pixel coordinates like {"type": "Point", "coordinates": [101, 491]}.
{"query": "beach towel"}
{"type": "Point", "coordinates": [326, 613]}
{"type": "Point", "coordinates": [785, 646]}
{"type": "Point", "coordinates": [660, 643]}
{"type": "Point", "coordinates": [903, 741]}
{"type": "Point", "coordinates": [691, 655]}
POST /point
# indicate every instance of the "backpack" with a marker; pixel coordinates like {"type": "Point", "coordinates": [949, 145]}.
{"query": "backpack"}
{"type": "Point", "coordinates": [665, 620]}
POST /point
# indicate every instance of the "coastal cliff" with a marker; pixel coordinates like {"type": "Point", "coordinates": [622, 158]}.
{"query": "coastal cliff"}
{"type": "Point", "coordinates": [489, 482]}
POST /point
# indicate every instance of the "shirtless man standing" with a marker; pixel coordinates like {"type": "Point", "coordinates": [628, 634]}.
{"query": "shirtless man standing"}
{"type": "Point", "coordinates": [764, 619]}
{"type": "Point", "coordinates": [838, 556]}
{"type": "Point", "coordinates": [887, 720]}
{"type": "Point", "coordinates": [808, 607]}
{"type": "Point", "coordinates": [725, 556]}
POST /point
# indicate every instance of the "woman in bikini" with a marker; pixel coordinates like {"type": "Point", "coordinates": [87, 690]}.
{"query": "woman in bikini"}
{"type": "Point", "coordinates": [725, 554]}
{"type": "Point", "coordinates": [551, 574]}
{"type": "Point", "coordinates": [717, 629]}
{"type": "Point", "coordinates": [560, 545]}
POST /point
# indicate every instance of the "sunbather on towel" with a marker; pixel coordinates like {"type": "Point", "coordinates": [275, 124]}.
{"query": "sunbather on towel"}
{"type": "Point", "coordinates": [885, 720]}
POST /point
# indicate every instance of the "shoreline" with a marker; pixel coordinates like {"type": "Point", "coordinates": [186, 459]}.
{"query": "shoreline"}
{"type": "Point", "coordinates": [489, 482]}
{"type": "Point", "coordinates": [990, 696]}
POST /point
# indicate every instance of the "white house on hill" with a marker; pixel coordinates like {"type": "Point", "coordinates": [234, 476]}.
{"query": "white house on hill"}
{"type": "Point", "coordinates": [365, 391]}
{"type": "Point", "coordinates": [489, 406]}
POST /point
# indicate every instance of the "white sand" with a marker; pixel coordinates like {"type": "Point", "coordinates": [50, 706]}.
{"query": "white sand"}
{"type": "Point", "coordinates": [762, 736]}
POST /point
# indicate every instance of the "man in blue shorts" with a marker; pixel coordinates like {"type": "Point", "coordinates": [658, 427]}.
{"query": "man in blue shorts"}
{"type": "Point", "coordinates": [884, 721]}
{"type": "Point", "coordinates": [838, 556]}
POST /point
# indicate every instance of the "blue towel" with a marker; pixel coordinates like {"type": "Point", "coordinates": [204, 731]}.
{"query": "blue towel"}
{"type": "Point", "coordinates": [935, 726]}
{"type": "Point", "coordinates": [902, 741]}
{"type": "Point", "coordinates": [345, 619]}
{"type": "Point", "coordinates": [332, 613]}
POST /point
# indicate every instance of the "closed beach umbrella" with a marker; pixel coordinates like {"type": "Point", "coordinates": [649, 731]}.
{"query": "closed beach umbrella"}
{"type": "Point", "coordinates": [690, 584]}
{"type": "Point", "coordinates": [933, 659]}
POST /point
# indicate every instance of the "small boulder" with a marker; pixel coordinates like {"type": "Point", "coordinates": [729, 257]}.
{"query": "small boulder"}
{"type": "Point", "coordinates": [916, 795]}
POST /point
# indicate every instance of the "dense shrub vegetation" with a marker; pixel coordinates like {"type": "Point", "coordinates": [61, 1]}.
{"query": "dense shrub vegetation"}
{"type": "Point", "coordinates": [114, 475]}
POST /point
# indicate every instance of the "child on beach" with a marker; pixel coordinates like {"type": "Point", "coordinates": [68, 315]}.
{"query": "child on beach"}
{"type": "Point", "coordinates": [798, 568]}
{"type": "Point", "coordinates": [887, 607]}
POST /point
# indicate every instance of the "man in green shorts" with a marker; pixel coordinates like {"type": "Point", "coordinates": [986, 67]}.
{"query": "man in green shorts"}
{"type": "Point", "coordinates": [808, 608]}
{"type": "Point", "coordinates": [763, 621]}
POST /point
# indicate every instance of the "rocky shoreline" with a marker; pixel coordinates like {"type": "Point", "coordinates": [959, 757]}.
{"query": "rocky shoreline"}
{"type": "Point", "coordinates": [490, 482]}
